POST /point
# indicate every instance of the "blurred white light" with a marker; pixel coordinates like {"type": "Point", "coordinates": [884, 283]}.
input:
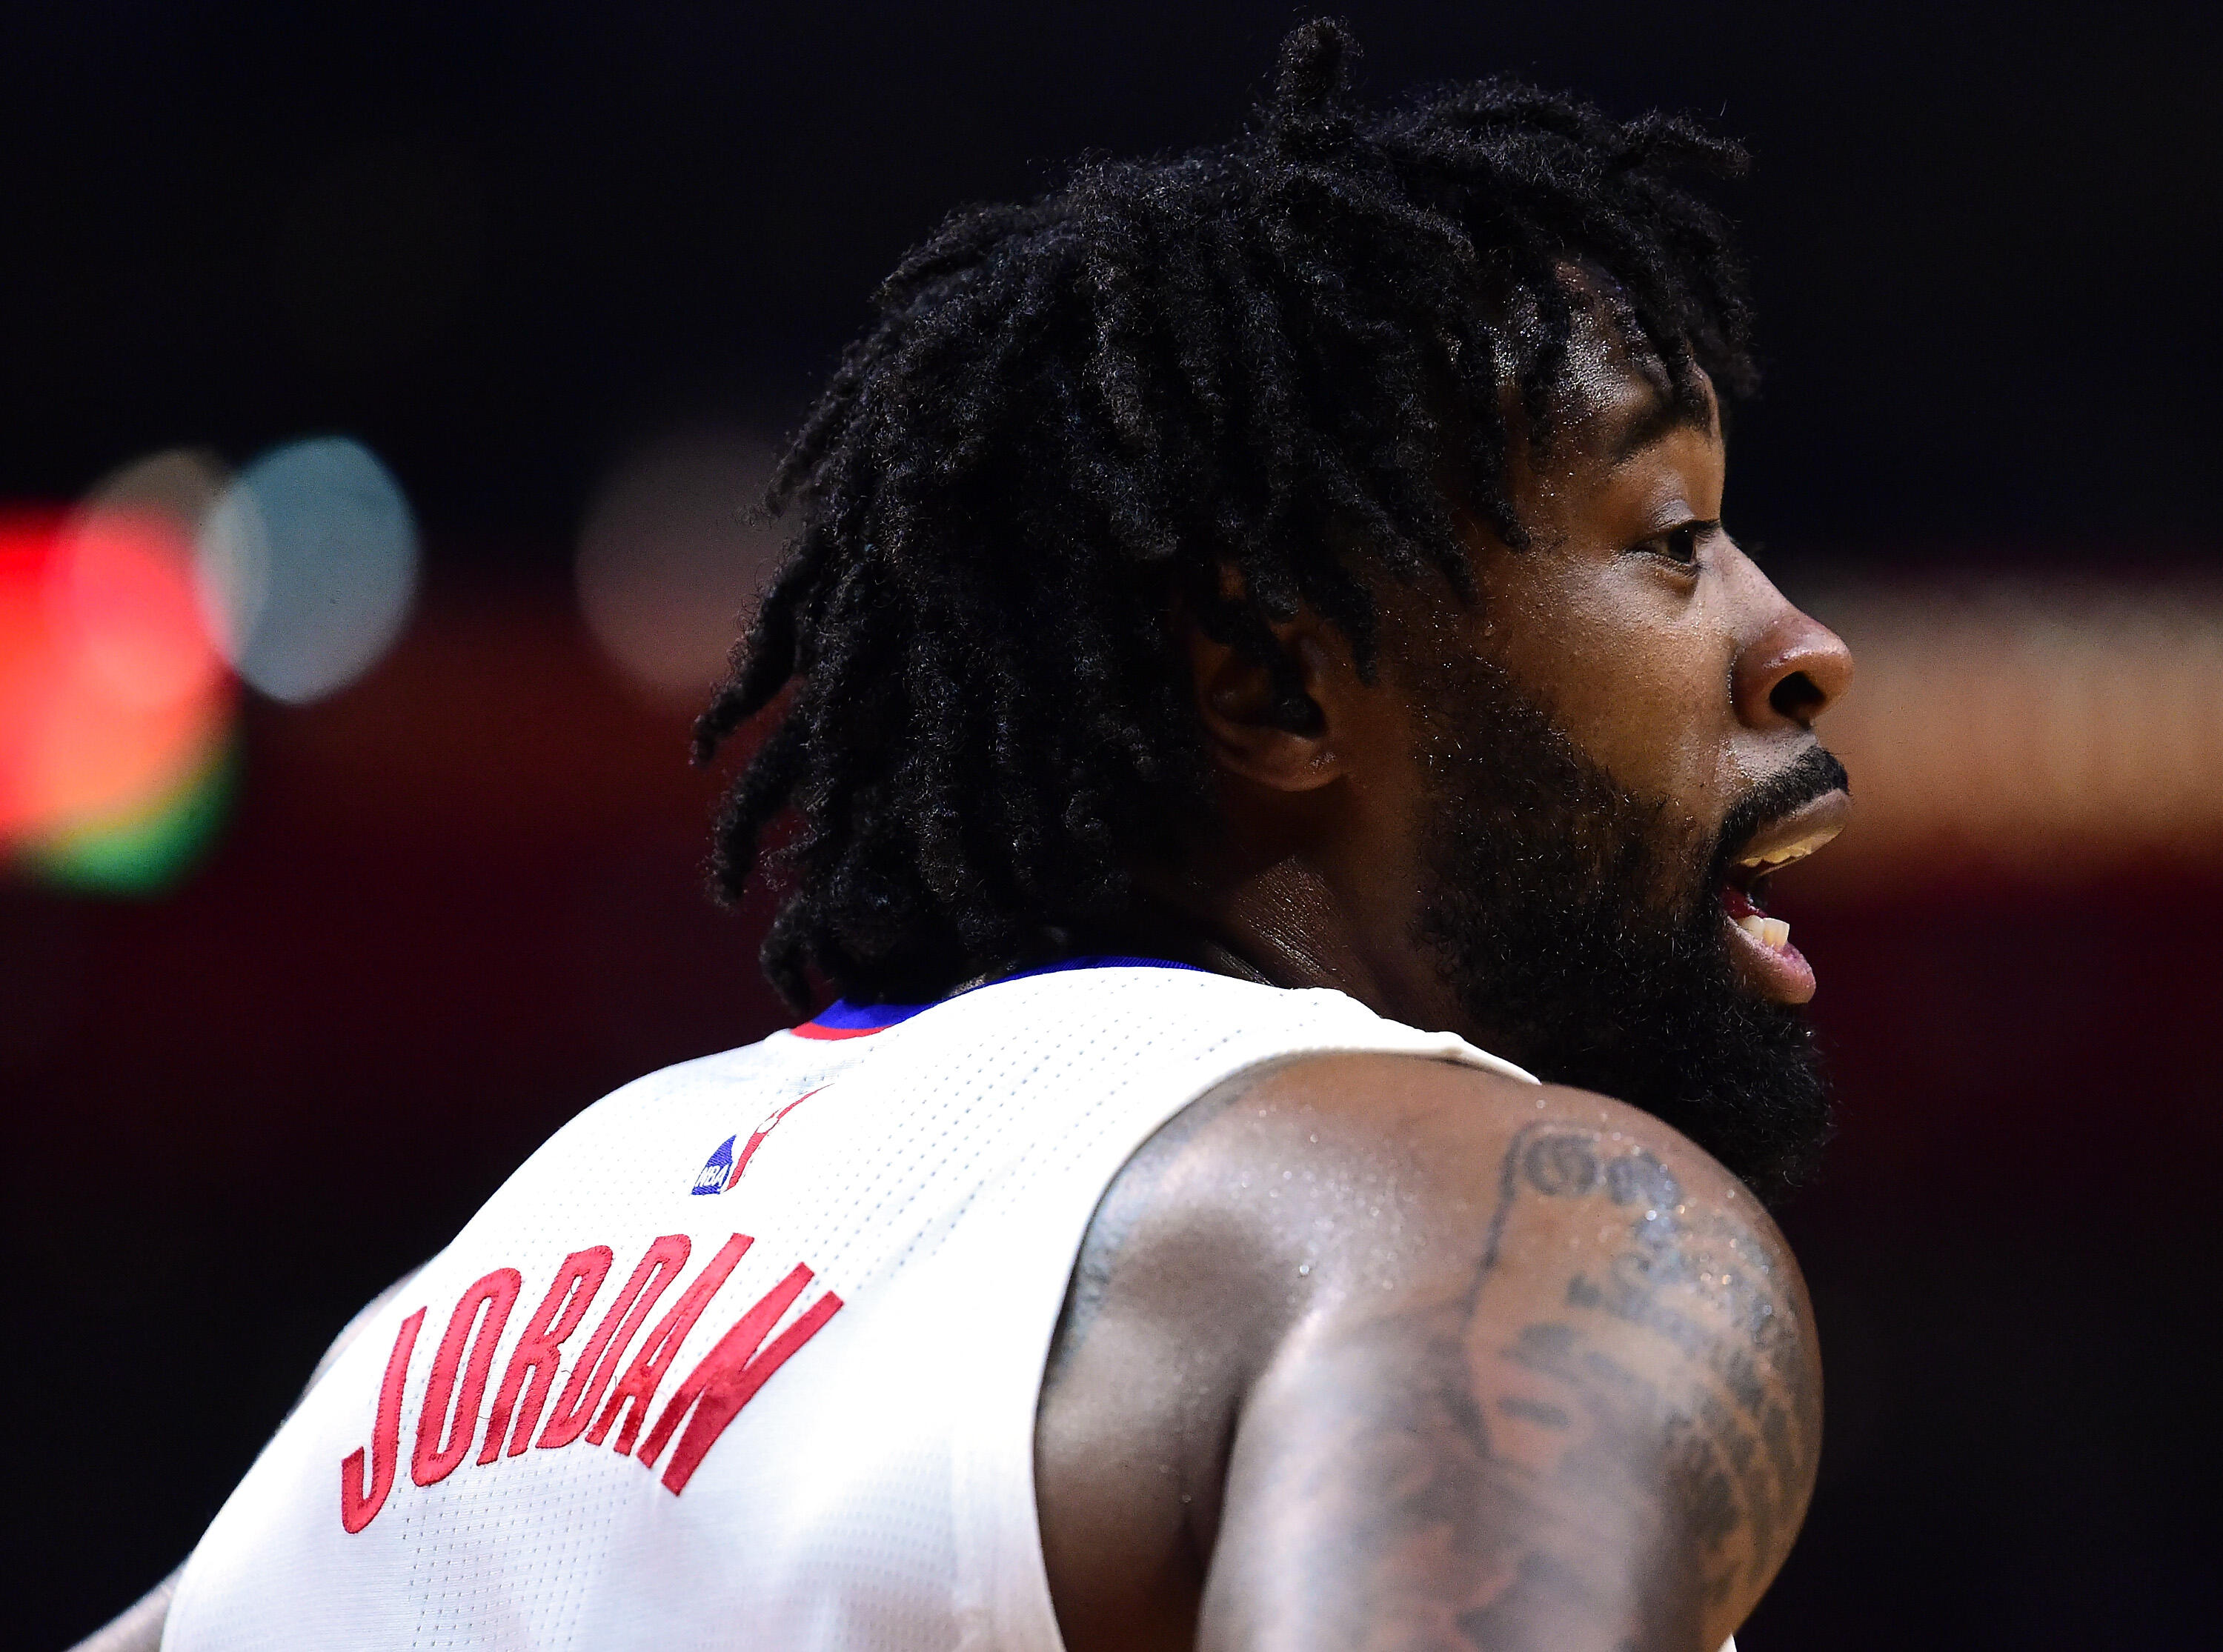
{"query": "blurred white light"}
{"type": "Point", "coordinates": [127, 576]}
{"type": "Point", "coordinates": [182, 485]}
{"type": "Point", "coordinates": [307, 565]}
{"type": "Point", "coordinates": [671, 561]}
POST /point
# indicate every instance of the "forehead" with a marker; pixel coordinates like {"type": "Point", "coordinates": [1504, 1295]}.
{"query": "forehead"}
{"type": "Point", "coordinates": [1615, 397]}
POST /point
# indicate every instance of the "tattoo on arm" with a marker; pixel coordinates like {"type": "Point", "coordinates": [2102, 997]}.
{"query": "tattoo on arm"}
{"type": "Point", "coordinates": [1673, 1371]}
{"type": "Point", "coordinates": [1734, 1378]}
{"type": "Point", "coordinates": [1609, 1442]}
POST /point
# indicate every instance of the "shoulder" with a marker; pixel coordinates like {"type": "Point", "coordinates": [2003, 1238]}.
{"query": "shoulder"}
{"type": "Point", "coordinates": [1405, 1172]}
{"type": "Point", "coordinates": [1387, 1186]}
{"type": "Point", "coordinates": [1432, 1169]}
{"type": "Point", "coordinates": [1526, 1313]}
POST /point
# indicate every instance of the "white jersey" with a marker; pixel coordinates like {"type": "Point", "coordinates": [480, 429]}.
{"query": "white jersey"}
{"type": "Point", "coordinates": [749, 1353]}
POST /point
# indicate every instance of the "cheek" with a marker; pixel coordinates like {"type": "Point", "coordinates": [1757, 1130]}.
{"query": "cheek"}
{"type": "Point", "coordinates": [1633, 673]}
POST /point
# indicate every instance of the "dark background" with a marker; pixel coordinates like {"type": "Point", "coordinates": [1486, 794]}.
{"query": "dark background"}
{"type": "Point", "coordinates": [457, 902]}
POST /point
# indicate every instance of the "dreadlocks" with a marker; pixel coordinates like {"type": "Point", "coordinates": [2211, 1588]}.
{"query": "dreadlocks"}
{"type": "Point", "coordinates": [1201, 383]}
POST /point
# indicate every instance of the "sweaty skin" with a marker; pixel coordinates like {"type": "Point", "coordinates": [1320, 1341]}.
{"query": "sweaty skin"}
{"type": "Point", "coordinates": [1378, 1352]}
{"type": "Point", "coordinates": [1382, 1353]}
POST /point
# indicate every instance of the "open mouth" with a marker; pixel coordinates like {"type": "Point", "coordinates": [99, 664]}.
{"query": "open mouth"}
{"type": "Point", "coordinates": [1761, 942]}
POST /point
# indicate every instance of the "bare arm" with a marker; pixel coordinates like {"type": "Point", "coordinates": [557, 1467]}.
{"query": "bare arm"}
{"type": "Point", "coordinates": [139, 1627]}
{"type": "Point", "coordinates": [1462, 1364]}
{"type": "Point", "coordinates": [1597, 1427]}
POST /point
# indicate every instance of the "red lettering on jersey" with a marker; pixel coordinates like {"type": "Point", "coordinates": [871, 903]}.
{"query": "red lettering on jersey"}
{"type": "Point", "coordinates": [665, 1256]}
{"type": "Point", "coordinates": [359, 1508]}
{"type": "Point", "coordinates": [539, 1349]}
{"type": "Point", "coordinates": [637, 1388]}
{"type": "Point", "coordinates": [730, 1374]}
{"type": "Point", "coordinates": [436, 1458]}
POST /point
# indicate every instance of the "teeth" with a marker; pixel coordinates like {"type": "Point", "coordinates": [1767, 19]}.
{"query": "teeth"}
{"type": "Point", "coordinates": [1790, 852]}
{"type": "Point", "coordinates": [1770, 932]}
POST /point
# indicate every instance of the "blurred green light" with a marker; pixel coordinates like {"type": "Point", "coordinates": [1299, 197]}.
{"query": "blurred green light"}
{"type": "Point", "coordinates": [144, 852]}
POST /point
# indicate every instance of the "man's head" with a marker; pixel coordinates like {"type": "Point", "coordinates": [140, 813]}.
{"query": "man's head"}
{"type": "Point", "coordinates": [1312, 543]}
{"type": "Point", "coordinates": [1550, 823]}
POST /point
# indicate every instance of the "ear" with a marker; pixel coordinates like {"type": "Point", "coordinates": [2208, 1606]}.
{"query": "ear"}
{"type": "Point", "coordinates": [1259, 730]}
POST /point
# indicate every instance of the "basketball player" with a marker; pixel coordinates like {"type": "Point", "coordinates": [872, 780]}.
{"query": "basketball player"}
{"type": "Point", "coordinates": [1260, 678]}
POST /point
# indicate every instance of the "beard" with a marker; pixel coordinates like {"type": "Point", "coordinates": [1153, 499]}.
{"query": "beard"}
{"type": "Point", "coordinates": [1580, 927]}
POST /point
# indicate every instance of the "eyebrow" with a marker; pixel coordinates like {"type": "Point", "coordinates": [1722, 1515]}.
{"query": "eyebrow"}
{"type": "Point", "coordinates": [1662, 415]}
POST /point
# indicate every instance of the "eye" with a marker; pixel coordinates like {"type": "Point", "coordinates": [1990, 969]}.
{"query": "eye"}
{"type": "Point", "coordinates": [1677, 545]}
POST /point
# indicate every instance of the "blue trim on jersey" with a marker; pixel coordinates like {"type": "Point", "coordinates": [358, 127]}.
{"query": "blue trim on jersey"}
{"type": "Point", "coordinates": [842, 1016]}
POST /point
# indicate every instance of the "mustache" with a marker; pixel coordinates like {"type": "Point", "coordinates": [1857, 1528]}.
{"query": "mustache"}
{"type": "Point", "coordinates": [1816, 773]}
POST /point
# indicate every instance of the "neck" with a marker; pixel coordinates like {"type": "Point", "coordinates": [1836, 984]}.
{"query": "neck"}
{"type": "Point", "coordinates": [1287, 923]}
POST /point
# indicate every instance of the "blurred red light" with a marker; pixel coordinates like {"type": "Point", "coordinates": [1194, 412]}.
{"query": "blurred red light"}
{"type": "Point", "coordinates": [112, 694]}
{"type": "Point", "coordinates": [124, 579]}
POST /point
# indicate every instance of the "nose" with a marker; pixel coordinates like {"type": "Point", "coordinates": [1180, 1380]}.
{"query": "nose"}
{"type": "Point", "coordinates": [1790, 673]}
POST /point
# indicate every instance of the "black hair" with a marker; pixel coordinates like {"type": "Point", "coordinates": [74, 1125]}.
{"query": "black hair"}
{"type": "Point", "coordinates": [1215, 383]}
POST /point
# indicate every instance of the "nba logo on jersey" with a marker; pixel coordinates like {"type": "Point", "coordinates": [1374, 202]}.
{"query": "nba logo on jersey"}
{"type": "Point", "coordinates": [723, 1168]}
{"type": "Point", "coordinates": [711, 1179]}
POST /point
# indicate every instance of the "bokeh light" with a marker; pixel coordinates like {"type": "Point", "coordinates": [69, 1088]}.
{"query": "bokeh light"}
{"type": "Point", "coordinates": [2047, 727]}
{"type": "Point", "coordinates": [308, 567]}
{"type": "Point", "coordinates": [142, 852]}
{"type": "Point", "coordinates": [672, 559]}
{"type": "Point", "coordinates": [115, 703]}
{"type": "Point", "coordinates": [180, 484]}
